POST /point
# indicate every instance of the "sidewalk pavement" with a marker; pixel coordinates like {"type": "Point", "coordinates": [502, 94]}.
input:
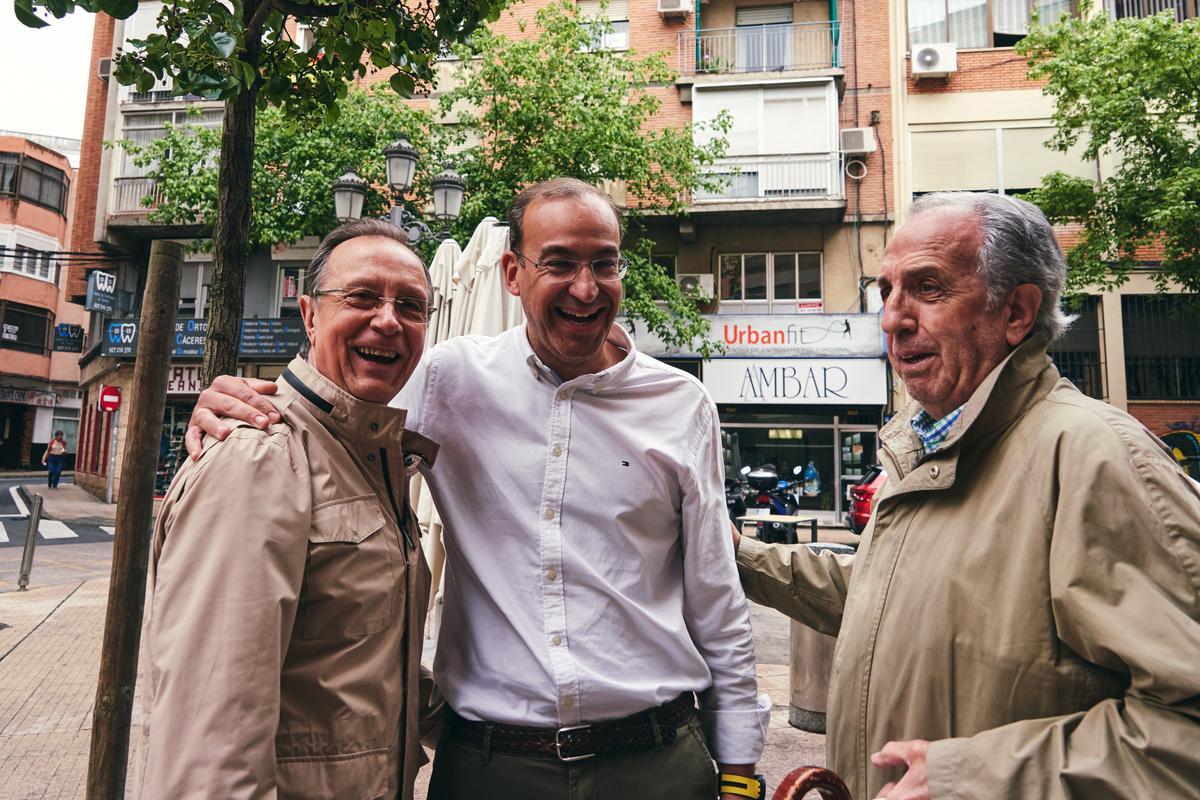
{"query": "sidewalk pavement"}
{"type": "Point", "coordinates": [50, 639]}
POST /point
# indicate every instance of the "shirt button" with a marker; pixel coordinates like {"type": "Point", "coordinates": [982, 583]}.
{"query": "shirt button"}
{"type": "Point", "coordinates": [567, 702]}
{"type": "Point", "coordinates": [562, 395]}
{"type": "Point", "coordinates": [549, 513]}
{"type": "Point", "coordinates": [934, 471]}
{"type": "Point", "coordinates": [555, 640]}
{"type": "Point", "coordinates": [557, 451]}
{"type": "Point", "coordinates": [551, 574]}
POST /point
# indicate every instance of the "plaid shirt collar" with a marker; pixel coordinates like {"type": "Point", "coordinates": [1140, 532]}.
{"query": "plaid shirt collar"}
{"type": "Point", "coordinates": [933, 432]}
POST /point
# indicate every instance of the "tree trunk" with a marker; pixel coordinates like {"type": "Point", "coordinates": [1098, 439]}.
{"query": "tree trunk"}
{"type": "Point", "coordinates": [109, 755]}
{"type": "Point", "coordinates": [231, 237]}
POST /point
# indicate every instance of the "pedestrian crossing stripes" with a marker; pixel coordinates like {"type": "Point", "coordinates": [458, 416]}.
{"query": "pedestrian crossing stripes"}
{"type": "Point", "coordinates": [53, 529]}
{"type": "Point", "coordinates": [54, 532]}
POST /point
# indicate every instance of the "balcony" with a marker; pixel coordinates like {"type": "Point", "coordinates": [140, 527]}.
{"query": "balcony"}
{"type": "Point", "coordinates": [1182, 9]}
{"type": "Point", "coordinates": [760, 48]}
{"type": "Point", "coordinates": [811, 184]}
{"type": "Point", "coordinates": [128, 194]}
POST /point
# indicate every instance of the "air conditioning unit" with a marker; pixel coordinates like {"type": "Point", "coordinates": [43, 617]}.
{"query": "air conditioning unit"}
{"type": "Point", "coordinates": [858, 141]}
{"type": "Point", "coordinates": [934, 60]}
{"type": "Point", "coordinates": [700, 285]}
{"type": "Point", "coordinates": [674, 8]}
{"type": "Point", "coordinates": [104, 69]}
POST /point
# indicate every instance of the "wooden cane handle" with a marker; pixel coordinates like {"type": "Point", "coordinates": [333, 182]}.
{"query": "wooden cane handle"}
{"type": "Point", "coordinates": [803, 780]}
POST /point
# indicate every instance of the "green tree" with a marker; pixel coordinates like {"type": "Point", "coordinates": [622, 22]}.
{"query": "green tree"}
{"type": "Point", "coordinates": [242, 52]}
{"type": "Point", "coordinates": [295, 164]}
{"type": "Point", "coordinates": [554, 105]}
{"type": "Point", "coordinates": [1129, 89]}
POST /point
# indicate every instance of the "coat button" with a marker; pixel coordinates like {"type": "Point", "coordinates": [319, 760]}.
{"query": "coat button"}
{"type": "Point", "coordinates": [934, 471]}
{"type": "Point", "coordinates": [371, 457]}
{"type": "Point", "coordinates": [374, 426]}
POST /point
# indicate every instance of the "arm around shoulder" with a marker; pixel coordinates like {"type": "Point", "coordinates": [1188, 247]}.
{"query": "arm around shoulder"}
{"type": "Point", "coordinates": [806, 586]}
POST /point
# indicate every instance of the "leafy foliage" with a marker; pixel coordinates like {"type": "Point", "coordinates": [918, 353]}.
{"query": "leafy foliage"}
{"type": "Point", "coordinates": [1130, 90]}
{"type": "Point", "coordinates": [551, 105]}
{"type": "Point", "coordinates": [218, 50]}
{"type": "Point", "coordinates": [295, 164]}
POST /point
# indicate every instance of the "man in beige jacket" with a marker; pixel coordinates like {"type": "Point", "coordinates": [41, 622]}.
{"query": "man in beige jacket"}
{"type": "Point", "coordinates": [288, 585]}
{"type": "Point", "coordinates": [1022, 617]}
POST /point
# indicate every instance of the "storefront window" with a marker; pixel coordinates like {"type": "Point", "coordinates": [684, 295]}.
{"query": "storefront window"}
{"type": "Point", "coordinates": [788, 449]}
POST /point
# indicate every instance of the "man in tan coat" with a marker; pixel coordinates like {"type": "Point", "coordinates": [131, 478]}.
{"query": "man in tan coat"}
{"type": "Point", "coordinates": [1022, 617]}
{"type": "Point", "coordinates": [288, 585]}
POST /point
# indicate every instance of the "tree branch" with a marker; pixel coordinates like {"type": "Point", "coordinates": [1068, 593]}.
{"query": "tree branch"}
{"type": "Point", "coordinates": [309, 9]}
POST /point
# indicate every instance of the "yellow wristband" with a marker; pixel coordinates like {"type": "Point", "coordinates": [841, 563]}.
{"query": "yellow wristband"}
{"type": "Point", "coordinates": [741, 785]}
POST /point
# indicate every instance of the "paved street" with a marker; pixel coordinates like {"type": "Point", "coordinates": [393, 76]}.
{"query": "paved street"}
{"type": "Point", "coordinates": [50, 639]}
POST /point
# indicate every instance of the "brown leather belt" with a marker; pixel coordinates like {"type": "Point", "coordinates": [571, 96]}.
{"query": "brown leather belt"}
{"type": "Point", "coordinates": [645, 730]}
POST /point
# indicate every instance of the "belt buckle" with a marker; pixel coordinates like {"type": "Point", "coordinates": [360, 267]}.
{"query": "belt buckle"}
{"type": "Point", "coordinates": [558, 744]}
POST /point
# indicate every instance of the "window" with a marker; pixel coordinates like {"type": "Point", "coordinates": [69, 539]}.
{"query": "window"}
{"type": "Point", "coordinates": [31, 262]}
{"type": "Point", "coordinates": [25, 328]}
{"type": "Point", "coordinates": [1162, 346]}
{"type": "Point", "coordinates": [1004, 160]}
{"type": "Point", "coordinates": [291, 286]}
{"type": "Point", "coordinates": [764, 38]}
{"type": "Point", "coordinates": [142, 129]}
{"type": "Point", "coordinates": [770, 282]}
{"type": "Point", "coordinates": [34, 181]}
{"type": "Point", "coordinates": [978, 23]}
{"type": "Point", "coordinates": [1184, 9]}
{"type": "Point", "coordinates": [616, 37]}
{"type": "Point", "coordinates": [1077, 352]}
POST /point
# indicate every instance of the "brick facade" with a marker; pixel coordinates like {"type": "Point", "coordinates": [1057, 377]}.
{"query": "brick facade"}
{"type": "Point", "coordinates": [1166, 416]}
{"type": "Point", "coordinates": [87, 179]}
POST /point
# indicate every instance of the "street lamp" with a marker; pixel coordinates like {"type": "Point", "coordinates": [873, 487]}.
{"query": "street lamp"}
{"type": "Point", "coordinates": [401, 157]}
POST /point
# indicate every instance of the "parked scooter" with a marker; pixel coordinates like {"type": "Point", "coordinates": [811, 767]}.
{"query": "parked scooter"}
{"type": "Point", "coordinates": [769, 492]}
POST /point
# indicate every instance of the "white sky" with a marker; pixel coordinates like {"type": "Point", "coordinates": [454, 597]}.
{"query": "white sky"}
{"type": "Point", "coordinates": [45, 74]}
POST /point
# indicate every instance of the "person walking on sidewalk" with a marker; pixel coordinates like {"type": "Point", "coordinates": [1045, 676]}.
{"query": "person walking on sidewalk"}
{"type": "Point", "coordinates": [55, 458]}
{"type": "Point", "coordinates": [288, 585]}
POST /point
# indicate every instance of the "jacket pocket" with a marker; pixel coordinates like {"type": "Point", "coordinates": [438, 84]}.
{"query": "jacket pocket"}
{"type": "Point", "coordinates": [350, 581]}
{"type": "Point", "coordinates": [349, 776]}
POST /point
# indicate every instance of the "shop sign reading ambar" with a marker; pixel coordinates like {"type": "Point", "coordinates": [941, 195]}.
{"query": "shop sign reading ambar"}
{"type": "Point", "coordinates": [808, 381]}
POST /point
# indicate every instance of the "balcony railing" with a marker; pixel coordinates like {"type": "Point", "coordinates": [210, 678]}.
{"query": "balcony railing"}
{"type": "Point", "coordinates": [128, 194]}
{"type": "Point", "coordinates": [777, 177]}
{"type": "Point", "coordinates": [1182, 9]}
{"type": "Point", "coordinates": [760, 48]}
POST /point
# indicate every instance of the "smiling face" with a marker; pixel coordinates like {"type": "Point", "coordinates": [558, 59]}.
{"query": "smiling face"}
{"type": "Point", "coordinates": [567, 321]}
{"type": "Point", "coordinates": [370, 354]}
{"type": "Point", "coordinates": [943, 339]}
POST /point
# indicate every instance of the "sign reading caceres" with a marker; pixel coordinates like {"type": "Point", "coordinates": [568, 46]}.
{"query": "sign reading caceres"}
{"type": "Point", "coordinates": [268, 338]}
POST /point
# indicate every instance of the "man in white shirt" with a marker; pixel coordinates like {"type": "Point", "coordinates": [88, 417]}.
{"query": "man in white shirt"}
{"type": "Point", "coordinates": [590, 589]}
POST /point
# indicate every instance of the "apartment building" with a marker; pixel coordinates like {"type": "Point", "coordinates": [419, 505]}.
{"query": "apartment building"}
{"type": "Point", "coordinates": [968, 118]}
{"type": "Point", "coordinates": [42, 332]}
{"type": "Point", "coordinates": [113, 219]}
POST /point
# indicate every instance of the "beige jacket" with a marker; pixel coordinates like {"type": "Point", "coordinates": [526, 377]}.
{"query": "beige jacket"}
{"type": "Point", "coordinates": [287, 597]}
{"type": "Point", "coordinates": [1027, 597]}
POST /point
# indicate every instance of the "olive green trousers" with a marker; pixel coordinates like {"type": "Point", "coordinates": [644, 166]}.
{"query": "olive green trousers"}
{"type": "Point", "coordinates": [681, 770]}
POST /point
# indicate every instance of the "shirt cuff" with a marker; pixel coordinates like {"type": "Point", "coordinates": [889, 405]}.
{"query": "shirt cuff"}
{"type": "Point", "coordinates": [737, 736]}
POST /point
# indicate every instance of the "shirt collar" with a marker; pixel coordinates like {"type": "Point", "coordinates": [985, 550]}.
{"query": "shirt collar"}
{"type": "Point", "coordinates": [591, 381]}
{"type": "Point", "coordinates": [933, 432]}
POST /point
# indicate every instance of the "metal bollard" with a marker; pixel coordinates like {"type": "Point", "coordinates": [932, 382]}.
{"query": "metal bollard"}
{"type": "Point", "coordinates": [35, 519]}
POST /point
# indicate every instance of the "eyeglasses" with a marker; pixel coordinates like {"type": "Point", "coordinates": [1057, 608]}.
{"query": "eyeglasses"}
{"type": "Point", "coordinates": [410, 309]}
{"type": "Point", "coordinates": [558, 268]}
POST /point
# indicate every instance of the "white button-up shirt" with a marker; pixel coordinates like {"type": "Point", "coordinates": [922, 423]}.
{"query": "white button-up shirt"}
{"type": "Point", "coordinates": [590, 571]}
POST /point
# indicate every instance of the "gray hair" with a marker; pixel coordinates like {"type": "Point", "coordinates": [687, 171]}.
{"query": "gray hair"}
{"type": "Point", "coordinates": [1018, 246]}
{"type": "Point", "coordinates": [343, 233]}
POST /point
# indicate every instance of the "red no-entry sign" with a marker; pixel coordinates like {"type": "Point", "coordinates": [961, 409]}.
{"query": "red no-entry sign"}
{"type": "Point", "coordinates": [110, 398]}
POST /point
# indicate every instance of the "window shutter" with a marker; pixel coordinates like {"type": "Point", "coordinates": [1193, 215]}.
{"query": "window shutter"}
{"type": "Point", "coordinates": [764, 15]}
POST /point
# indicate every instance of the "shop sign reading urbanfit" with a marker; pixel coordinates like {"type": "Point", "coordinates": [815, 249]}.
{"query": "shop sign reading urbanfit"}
{"type": "Point", "coordinates": [798, 381]}
{"type": "Point", "coordinates": [798, 335]}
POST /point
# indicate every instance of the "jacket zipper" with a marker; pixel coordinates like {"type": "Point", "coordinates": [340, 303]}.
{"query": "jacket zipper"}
{"type": "Point", "coordinates": [401, 519]}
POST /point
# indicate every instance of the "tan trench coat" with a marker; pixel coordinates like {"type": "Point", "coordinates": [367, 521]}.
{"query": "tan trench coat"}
{"type": "Point", "coordinates": [284, 626]}
{"type": "Point", "coordinates": [1027, 597]}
